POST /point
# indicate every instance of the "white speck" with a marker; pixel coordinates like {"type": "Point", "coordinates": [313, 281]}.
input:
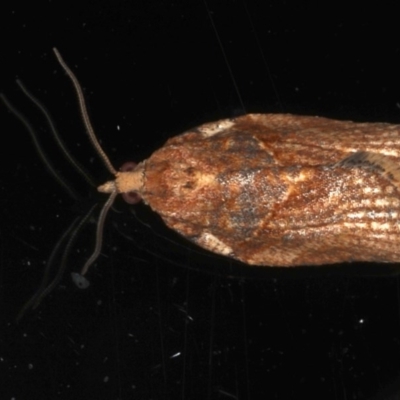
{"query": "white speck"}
{"type": "Point", "coordinates": [382, 202]}
{"type": "Point", "coordinates": [118, 128]}
{"type": "Point", "coordinates": [356, 215]}
{"type": "Point", "coordinates": [99, 302]}
{"type": "Point", "coordinates": [361, 321]}
{"type": "Point", "coordinates": [366, 202]}
{"type": "Point", "coordinates": [379, 226]}
{"type": "Point", "coordinates": [367, 190]}
{"type": "Point", "coordinates": [213, 128]}
{"type": "Point", "coordinates": [106, 379]}
{"type": "Point", "coordinates": [30, 366]}
{"type": "Point", "coordinates": [176, 355]}
{"type": "Point", "coordinates": [213, 243]}
{"type": "Point", "coordinates": [359, 225]}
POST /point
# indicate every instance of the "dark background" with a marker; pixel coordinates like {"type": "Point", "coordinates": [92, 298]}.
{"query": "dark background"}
{"type": "Point", "coordinates": [163, 319]}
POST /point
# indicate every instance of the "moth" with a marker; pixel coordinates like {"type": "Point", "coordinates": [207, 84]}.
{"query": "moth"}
{"type": "Point", "coordinates": [278, 189]}
{"type": "Point", "coordinates": [271, 189]}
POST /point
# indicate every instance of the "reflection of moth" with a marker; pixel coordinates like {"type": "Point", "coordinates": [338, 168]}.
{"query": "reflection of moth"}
{"type": "Point", "coordinates": [278, 190]}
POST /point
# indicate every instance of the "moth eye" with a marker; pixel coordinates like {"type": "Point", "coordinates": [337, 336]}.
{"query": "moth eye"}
{"type": "Point", "coordinates": [130, 197]}
{"type": "Point", "coordinates": [128, 166]}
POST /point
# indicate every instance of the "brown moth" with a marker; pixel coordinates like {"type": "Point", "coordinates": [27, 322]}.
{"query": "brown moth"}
{"type": "Point", "coordinates": [266, 189]}
{"type": "Point", "coordinates": [271, 189]}
{"type": "Point", "coordinates": [278, 189]}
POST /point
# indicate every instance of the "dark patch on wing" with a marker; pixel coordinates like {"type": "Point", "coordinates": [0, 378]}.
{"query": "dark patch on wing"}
{"type": "Point", "coordinates": [378, 163]}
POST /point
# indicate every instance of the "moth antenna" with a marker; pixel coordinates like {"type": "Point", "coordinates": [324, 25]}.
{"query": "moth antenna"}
{"type": "Point", "coordinates": [107, 162]}
{"type": "Point", "coordinates": [84, 113]}
{"type": "Point", "coordinates": [38, 296]}
{"type": "Point", "coordinates": [80, 280]}
{"type": "Point", "coordinates": [50, 121]}
{"type": "Point", "coordinates": [53, 284]}
{"type": "Point", "coordinates": [45, 289]}
{"type": "Point", "coordinates": [99, 232]}
{"type": "Point", "coordinates": [42, 154]}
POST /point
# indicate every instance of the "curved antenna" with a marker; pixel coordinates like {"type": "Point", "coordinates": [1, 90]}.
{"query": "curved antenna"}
{"type": "Point", "coordinates": [42, 154]}
{"type": "Point", "coordinates": [56, 135]}
{"type": "Point", "coordinates": [44, 288]}
{"type": "Point", "coordinates": [99, 232]}
{"type": "Point", "coordinates": [96, 144]}
{"type": "Point", "coordinates": [85, 115]}
{"type": "Point", "coordinates": [38, 298]}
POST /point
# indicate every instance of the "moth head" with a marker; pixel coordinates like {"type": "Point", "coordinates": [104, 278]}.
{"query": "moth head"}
{"type": "Point", "coordinates": [128, 182]}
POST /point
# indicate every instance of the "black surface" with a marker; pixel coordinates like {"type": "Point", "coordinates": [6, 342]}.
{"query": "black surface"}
{"type": "Point", "coordinates": [163, 319]}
